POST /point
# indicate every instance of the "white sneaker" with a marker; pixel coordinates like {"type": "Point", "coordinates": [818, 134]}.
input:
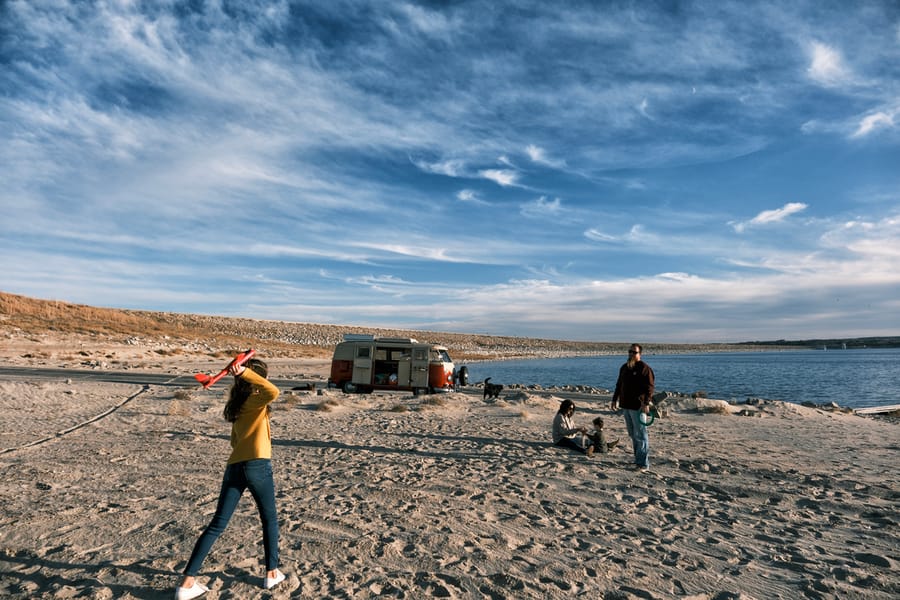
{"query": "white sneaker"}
{"type": "Point", "coordinates": [273, 581]}
{"type": "Point", "coordinates": [194, 591]}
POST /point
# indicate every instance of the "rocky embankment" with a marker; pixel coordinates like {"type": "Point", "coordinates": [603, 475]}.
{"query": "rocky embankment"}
{"type": "Point", "coordinates": [25, 319]}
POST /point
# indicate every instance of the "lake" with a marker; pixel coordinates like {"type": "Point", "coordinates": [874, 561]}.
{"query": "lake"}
{"type": "Point", "coordinates": [851, 378]}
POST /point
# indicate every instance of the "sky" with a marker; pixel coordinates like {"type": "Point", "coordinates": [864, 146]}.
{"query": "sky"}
{"type": "Point", "coordinates": [601, 171]}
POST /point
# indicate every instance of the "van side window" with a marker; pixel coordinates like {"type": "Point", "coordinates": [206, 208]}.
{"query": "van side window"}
{"type": "Point", "coordinates": [362, 352]}
{"type": "Point", "coordinates": [419, 354]}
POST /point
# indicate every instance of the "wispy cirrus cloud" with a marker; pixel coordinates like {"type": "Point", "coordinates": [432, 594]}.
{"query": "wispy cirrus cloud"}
{"type": "Point", "coordinates": [874, 122]}
{"type": "Point", "coordinates": [346, 152]}
{"type": "Point", "coordinates": [768, 217]}
{"type": "Point", "coordinates": [469, 197]}
{"type": "Point", "coordinates": [502, 177]}
{"type": "Point", "coordinates": [539, 155]}
{"type": "Point", "coordinates": [542, 207]}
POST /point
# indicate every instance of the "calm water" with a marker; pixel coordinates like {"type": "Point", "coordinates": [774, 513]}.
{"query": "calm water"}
{"type": "Point", "coordinates": [851, 378]}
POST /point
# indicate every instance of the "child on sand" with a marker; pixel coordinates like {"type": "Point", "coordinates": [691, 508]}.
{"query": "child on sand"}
{"type": "Point", "coordinates": [599, 437]}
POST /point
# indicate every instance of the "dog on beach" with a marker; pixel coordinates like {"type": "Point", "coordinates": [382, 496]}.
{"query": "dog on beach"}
{"type": "Point", "coordinates": [492, 390]}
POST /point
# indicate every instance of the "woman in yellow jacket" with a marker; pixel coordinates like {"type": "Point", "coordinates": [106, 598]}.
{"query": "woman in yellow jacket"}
{"type": "Point", "coordinates": [249, 467]}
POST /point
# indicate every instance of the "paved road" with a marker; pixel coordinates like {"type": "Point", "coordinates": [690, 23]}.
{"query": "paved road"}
{"type": "Point", "coordinates": [187, 380]}
{"type": "Point", "coordinates": [131, 377]}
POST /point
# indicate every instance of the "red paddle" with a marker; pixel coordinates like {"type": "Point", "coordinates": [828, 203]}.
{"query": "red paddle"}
{"type": "Point", "coordinates": [206, 381]}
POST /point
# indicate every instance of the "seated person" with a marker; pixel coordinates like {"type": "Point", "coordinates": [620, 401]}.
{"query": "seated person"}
{"type": "Point", "coordinates": [599, 437]}
{"type": "Point", "coordinates": [564, 431]}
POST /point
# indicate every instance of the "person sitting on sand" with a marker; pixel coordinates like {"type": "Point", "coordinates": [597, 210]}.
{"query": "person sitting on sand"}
{"type": "Point", "coordinates": [599, 437]}
{"type": "Point", "coordinates": [249, 466]}
{"type": "Point", "coordinates": [564, 431]}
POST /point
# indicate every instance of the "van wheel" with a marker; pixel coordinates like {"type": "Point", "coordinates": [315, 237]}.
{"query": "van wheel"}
{"type": "Point", "coordinates": [349, 388]}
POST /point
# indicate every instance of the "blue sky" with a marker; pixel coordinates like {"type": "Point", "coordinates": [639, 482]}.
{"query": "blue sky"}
{"type": "Point", "coordinates": [651, 171]}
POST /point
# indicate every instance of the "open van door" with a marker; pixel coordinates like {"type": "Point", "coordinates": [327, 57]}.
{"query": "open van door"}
{"type": "Point", "coordinates": [418, 377]}
{"type": "Point", "coordinates": [362, 365]}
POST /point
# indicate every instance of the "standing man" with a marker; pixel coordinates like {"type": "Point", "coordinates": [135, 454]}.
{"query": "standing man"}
{"type": "Point", "coordinates": [634, 392]}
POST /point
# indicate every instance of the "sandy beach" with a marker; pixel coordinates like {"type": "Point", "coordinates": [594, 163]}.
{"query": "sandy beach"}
{"type": "Point", "coordinates": [106, 486]}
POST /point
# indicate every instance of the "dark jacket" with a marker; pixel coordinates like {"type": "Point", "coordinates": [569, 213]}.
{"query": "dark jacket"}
{"type": "Point", "coordinates": [634, 388]}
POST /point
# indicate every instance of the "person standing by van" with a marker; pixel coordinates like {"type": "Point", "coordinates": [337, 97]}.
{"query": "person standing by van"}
{"type": "Point", "coordinates": [249, 467]}
{"type": "Point", "coordinates": [634, 393]}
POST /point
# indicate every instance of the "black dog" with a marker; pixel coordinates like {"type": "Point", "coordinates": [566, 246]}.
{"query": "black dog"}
{"type": "Point", "coordinates": [492, 390]}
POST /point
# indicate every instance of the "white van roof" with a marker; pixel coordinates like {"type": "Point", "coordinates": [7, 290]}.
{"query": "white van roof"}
{"type": "Point", "coordinates": [368, 337]}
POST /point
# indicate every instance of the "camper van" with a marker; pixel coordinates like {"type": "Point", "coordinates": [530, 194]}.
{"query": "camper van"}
{"type": "Point", "coordinates": [364, 363]}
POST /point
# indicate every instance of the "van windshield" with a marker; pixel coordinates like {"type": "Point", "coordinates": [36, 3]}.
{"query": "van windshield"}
{"type": "Point", "coordinates": [440, 355]}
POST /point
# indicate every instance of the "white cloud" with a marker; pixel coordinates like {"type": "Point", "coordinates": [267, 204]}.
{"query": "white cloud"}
{"type": "Point", "coordinates": [871, 240]}
{"type": "Point", "coordinates": [535, 154]}
{"type": "Point", "coordinates": [450, 168]}
{"type": "Point", "coordinates": [468, 196]}
{"type": "Point", "coordinates": [642, 108]}
{"type": "Point", "coordinates": [539, 155]}
{"type": "Point", "coordinates": [471, 197]}
{"type": "Point", "coordinates": [458, 168]}
{"type": "Point", "coordinates": [827, 65]}
{"type": "Point", "coordinates": [381, 283]}
{"type": "Point", "coordinates": [874, 122]}
{"type": "Point", "coordinates": [432, 23]}
{"type": "Point", "coordinates": [420, 252]}
{"type": "Point", "coordinates": [503, 177]}
{"type": "Point", "coordinates": [767, 217]}
{"type": "Point", "coordinates": [542, 207]}
{"type": "Point", "coordinates": [596, 235]}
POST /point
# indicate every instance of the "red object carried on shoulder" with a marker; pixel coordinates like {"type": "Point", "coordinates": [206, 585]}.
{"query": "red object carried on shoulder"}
{"type": "Point", "coordinates": [207, 381]}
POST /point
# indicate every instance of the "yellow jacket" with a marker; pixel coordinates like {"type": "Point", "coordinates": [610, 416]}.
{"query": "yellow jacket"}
{"type": "Point", "coordinates": [250, 434]}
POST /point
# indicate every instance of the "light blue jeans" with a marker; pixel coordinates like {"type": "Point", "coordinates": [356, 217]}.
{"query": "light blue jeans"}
{"type": "Point", "coordinates": [255, 475]}
{"type": "Point", "coordinates": [640, 441]}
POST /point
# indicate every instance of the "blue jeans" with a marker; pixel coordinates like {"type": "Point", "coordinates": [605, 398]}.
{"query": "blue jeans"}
{"type": "Point", "coordinates": [640, 441]}
{"type": "Point", "coordinates": [257, 476]}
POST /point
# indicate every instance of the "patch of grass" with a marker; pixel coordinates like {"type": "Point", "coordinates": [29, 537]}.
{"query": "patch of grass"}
{"type": "Point", "coordinates": [399, 408]}
{"type": "Point", "coordinates": [177, 409]}
{"type": "Point", "coordinates": [289, 399]}
{"type": "Point", "coordinates": [434, 401]}
{"type": "Point", "coordinates": [169, 351]}
{"type": "Point", "coordinates": [327, 405]}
